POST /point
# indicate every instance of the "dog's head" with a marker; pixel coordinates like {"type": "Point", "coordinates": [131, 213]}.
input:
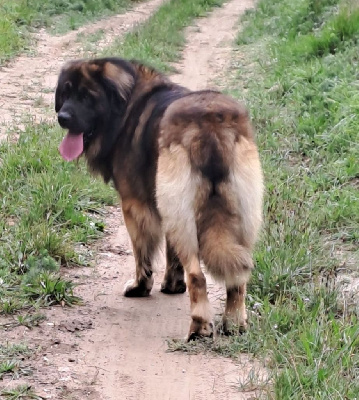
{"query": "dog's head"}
{"type": "Point", "coordinates": [91, 97]}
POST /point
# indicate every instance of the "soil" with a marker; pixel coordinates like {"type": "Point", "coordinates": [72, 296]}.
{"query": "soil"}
{"type": "Point", "coordinates": [112, 347]}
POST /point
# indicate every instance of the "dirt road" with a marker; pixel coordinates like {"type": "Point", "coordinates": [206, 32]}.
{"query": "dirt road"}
{"type": "Point", "coordinates": [114, 348]}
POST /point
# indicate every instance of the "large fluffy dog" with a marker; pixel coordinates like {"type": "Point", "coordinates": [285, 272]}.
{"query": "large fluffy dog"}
{"type": "Point", "coordinates": [185, 165]}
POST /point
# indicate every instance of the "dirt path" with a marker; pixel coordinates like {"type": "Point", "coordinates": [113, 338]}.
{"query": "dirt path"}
{"type": "Point", "coordinates": [27, 84]}
{"type": "Point", "coordinates": [114, 348]}
{"type": "Point", "coordinates": [209, 45]}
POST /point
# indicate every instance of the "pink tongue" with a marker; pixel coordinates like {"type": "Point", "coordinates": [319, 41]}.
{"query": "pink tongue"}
{"type": "Point", "coordinates": [72, 146]}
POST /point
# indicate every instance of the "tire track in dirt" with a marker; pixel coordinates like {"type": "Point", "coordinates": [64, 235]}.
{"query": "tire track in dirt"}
{"type": "Point", "coordinates": [209, 45]}
{"type": "Point", "coordinates": [27, 83]}
{"type": "Point", "coordinates": [114, 348]}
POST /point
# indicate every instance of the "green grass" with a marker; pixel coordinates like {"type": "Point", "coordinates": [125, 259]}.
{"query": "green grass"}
{"type": "Point", "coordinates": [159, 40]}
{"type": "Point", "coordinates": [300, 80]}
{"type": "Point", "coordinates": [20, 17]}
{"type": "Point", "coordinates": [12, 357]}
{"type": "Point", "coordinates": [46, 207]}
{"type": "Point", "coordinates": [22, 392]}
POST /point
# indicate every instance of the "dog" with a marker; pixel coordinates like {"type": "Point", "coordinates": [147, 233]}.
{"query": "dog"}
{"type": "Point", "coordinates": [185, 165]}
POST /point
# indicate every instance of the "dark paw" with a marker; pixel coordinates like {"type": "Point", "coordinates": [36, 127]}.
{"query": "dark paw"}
{"type": "Point", "coordinates": [140, 289]}
{"type": "Point", "coordinates": [228, 328]}
{"type": "Point", "coordinates": [173, 287]}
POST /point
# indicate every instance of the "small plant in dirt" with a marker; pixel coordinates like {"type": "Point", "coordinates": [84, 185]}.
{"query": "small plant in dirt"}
{"type": "Point", "coordinates": [12, 358]}
{"type": "Point", "coordinates": [49, 289]}
{"type": "Point", "coordinates": [30, 320]}
{"type": "Point", "coordinates": [7, 367]}
{"type": "Point", "coordinates": [22, 392]}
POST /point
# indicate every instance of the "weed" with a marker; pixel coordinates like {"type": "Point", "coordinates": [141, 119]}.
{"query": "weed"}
{"type": "Point", "coordinates": [7, 367]}
{"type": "Point", "coordinates": [11, 360]}
{"type": "Point", "coordinates": [21, 392]}
{"type": "Point", "coordinates": [50, 289]}
{"type": "Point", "coordinates": [12, 350]}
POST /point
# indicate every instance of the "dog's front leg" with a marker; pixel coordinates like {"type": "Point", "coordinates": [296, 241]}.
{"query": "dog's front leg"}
{"type": "Point", "coordinates": [143, 226]}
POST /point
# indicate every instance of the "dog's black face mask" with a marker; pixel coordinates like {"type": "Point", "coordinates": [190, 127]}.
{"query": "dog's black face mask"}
{"type": "Point", "coordinates": [76, 112]}
{"type": "Point", "coordinates": [86, 95]}
{"type": "Point", "coordinates": [76, 108]}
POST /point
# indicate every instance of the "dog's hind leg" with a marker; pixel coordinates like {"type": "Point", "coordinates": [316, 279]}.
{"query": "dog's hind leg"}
{"type": "Point", "coordinates": [173, 281]}
{"type": "Point", "coordinates": [235, 314]}
{"type": "Point", "coordinates": [201, 313]}
{"type": "Point", "coordinates": [143, 225]}
{"type": "Point", "coordinates": [176, 191]}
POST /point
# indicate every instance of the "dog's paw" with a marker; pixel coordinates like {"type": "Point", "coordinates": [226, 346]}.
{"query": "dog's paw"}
{"type": "Point", "coordinates": [200, 328]}
{"type": "Point", "coordinates": [229, 327]}
{"type": "Point", "coordinates": [171, 287]}
{"type": "Point", "coordinates": [138, 289]}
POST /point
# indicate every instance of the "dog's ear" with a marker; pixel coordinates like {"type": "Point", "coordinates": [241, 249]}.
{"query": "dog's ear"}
{"type": "Point", "coordinates": [119, 78]}
{"type": "Point", "coordinates": [64, 85]}
{"type": "Point", "coordinates": [58, 102]}
{"type": "Point", "coordinates": [58, 93]}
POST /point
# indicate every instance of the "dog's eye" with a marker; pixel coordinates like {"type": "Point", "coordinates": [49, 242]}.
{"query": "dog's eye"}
{"type": "Point", "coordinates": [67, 90]}
{"type": "Point", "coordinates": [85, 95]}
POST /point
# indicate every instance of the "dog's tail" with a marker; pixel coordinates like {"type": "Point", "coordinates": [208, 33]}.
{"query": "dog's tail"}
{"type": "Point", "coordinates": [224, 152]}
{"type": "Point", "coordinates": [212, 147]}
{"type": "Point", "coordinates": [223, 249]}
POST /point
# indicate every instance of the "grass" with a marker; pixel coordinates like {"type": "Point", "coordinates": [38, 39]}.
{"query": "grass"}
{"type": "Point", "coordinates": [46, 207]}
{"type": "Point", "coordinates": [18, 18]}
{"type": "Point", "coordinates": [24, 392]}
{"type": "Point", "coordinates": [12, 358]}
{"type": "Point", "coordinates": [300, 80]}
{"type": "Point", "coordinates": [90, 41]}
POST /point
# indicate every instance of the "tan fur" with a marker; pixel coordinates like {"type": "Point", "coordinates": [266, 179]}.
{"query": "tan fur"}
{"type": "Point", "coordinates": [233, 237]}
{"type": "Point", "coordinates": [201, 312]}
{"type": "Point", "coordinates": [145, 231]}
{"type": "Point", "coordinates": [235, 314]}
{"type": "Point", "coordinates": [175, 191]}
{"type": "Point", "coordinates": [141, 223]}
{"type": "Point", "coordinates": [246, 184]}
{"type": "Point", "coordinates": [144, 117]}
{"type": "Point", "coordinates": [123, 81]}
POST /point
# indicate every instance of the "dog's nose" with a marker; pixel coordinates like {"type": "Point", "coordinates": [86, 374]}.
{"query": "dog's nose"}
{"type": "Point", "coordinates": [64, 118]}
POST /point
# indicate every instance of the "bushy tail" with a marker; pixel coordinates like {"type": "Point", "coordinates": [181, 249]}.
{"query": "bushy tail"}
{"type": "Point", "coordinates": [225, 258]}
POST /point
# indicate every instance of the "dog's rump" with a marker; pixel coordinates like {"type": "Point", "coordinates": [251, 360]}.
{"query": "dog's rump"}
{"type": "Point", "coordinates": [207, 124]}
{"type": "Point", "coordinates": [207, 138]}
